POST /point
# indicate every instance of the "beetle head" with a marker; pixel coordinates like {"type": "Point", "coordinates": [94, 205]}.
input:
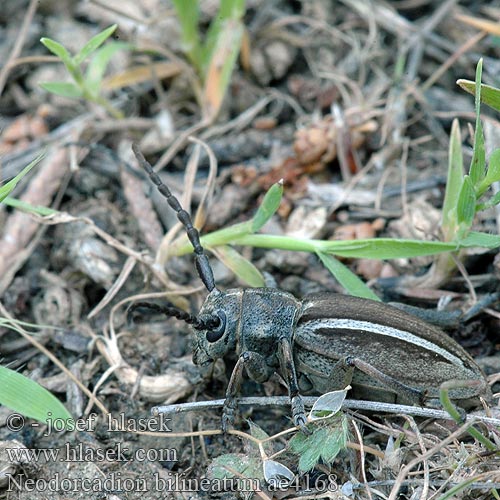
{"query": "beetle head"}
{"type": "Point", "coordinates": [216, 333]}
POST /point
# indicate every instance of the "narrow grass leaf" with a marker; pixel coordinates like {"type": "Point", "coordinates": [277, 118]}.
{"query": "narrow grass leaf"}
{"type": "Point", "coordinates": [231, 9]}
{"type": "Point", "coordinates": [64, 89]}
{"type": "Point", "coordinates": [457, 489]}
{"type": "Point", "coordinates": [93, 44]}
{"type": "Point", "coordinates": [268, 207]}
{"type": "Point", "coordinates": [352, 283]}
{"type": "Point", "coordinates": [28, 398]}
{"type": "Point", "coordinates": [228, 10]}
{"type": "Point", "coordinates": [387, 248]}
{"type": "Point", "coordinates": [478, 162]}
{"type": "Point", "coordinates": [29, 208]}
{"type": "Point", "coordinates": [220, 67]}
{"type": "Point", "coordinates": [453, 182]}
{"type": "Point", "coordinates": [59, 50]}
{"type": "Point", "coordinates": [188, 14]}
{"type": "Point", "coordinates": [481, 240]}
{"type": "Point", "coordinates": [489, 95]}
{"type": "Point", "coordinates": [374, 248]}
{"type": "Point", "coordinates": [99, 62]}
{"type": "Point", "coordinates": [7, 188]}
{"type": "Point", "coordinates": [466, 206]}
{"type": "Point", "coordinates": [240, 266]}
{"type": "Point", "coordinates": [182, 246]}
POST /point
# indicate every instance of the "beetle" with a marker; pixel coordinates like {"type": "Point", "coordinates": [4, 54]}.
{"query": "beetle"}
{"type": "Point", "coordinates": [320, 343]}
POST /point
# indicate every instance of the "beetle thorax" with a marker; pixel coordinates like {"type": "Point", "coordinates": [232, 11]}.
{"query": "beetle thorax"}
{"type": "Point", "coordinates": [255, 319]}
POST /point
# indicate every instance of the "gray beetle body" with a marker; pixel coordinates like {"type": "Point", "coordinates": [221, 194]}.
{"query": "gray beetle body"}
{"type": "Point", "coordinates": [323, 331]}
{"type": "Point", "coordinates": [319, 344]}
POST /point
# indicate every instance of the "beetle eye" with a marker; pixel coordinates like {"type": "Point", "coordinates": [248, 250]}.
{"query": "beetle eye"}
{"type": "Point", "coordinates": [216, 333]}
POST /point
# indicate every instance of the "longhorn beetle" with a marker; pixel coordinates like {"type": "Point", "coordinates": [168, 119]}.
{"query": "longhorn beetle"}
{"type": "Point", "coordinates": [320, 343]}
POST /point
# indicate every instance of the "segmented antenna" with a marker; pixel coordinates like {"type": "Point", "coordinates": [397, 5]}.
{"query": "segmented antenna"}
{"type": "Point", "coordinates": [170, 310]}
{"type": "Point", "coordinates": [201, 260]}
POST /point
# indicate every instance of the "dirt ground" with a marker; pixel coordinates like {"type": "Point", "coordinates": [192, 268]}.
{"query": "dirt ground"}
{"type": "Point", "coordinates": [351, 103]}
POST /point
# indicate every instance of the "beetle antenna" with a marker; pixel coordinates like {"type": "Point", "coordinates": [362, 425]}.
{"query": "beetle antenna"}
{"type": "Point", "coordinates": [170, 311]}
{"type": "Point", "coordinates": [201, 260]}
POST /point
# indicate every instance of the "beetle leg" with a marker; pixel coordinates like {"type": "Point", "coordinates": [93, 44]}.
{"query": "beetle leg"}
{"type": "Point", "coordinates": [413, 395]}
{"type": "Point", "coordinates": [257, 369]}
{"type": "Point", "coordinates": [288, 370]}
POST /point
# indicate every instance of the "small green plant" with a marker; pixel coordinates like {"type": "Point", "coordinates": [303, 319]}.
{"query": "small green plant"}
{"type": "Point", "coordinates": [215, 58]}
{"type": "Point", "coordinates": [17, 392]}
{"type": "Point", "coordinates": [466, 195]}
{"type": "Point", "coordinates": [86, 85]}
{"type": "Point", "coordinates": [265, 458]}
{"type": "Point", "coordinates": [8, 187]}
{"type": "Point", "coordinates": [489, 95]}
{"type": "Point", "coordinates": [464, 198]}
{"type": "Point", "coordinates": [25, 396]}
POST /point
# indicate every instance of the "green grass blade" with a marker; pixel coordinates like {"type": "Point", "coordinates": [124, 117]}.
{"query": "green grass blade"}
{"type": "Point", "coordinates": [29, 208]}
{"type": "Point", "coordinates": [268, 207]}
{"type": "Point", "coordinates": [7, 188]}
{"type": "Point", "coordinates": [453, 182]}
{"type": "Point", "coordinates": [478, 162]}
{"type": "Point", "coordinates": [221, 65]}
{"type": "Point", "coordinates": [376, 248]}
{"type": "Point", "coordinates": [28, 398]}
{"type": "Point", "coordinates": [240, 266]}
{"type": "Point", "coordinates": [229, 10]}
{"type": "Point", "coordinates": [64, 89]}
{"type": "Point", "coordinates": [350, 281]}
{"type": "Point", "coordinates": [480, 240]}
{"type": "Point", "coordinates": [93, 44]}
{"type": "Point", "coordinates": [455, 491]}
{"type": "Point", "coordinates": [489, 95]}
{"type": "Point", "coordinates": [58, 50]}
{"type": "Point", "coordinates": [182, 246]}
{"type": "Point", "coordinates": [188, 14]}
{"type": "Point", "coordinates": [386, 248]}
{"type": "Point", "coordinates": [466, 206]}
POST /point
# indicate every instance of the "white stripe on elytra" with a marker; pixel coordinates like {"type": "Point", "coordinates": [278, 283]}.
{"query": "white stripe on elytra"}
{"type": "Point", "coordinates": [351, 324]}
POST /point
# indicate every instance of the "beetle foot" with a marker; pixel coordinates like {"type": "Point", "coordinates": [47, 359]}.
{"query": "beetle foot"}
{"type": "Point", "coordinates": [299, 414]}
